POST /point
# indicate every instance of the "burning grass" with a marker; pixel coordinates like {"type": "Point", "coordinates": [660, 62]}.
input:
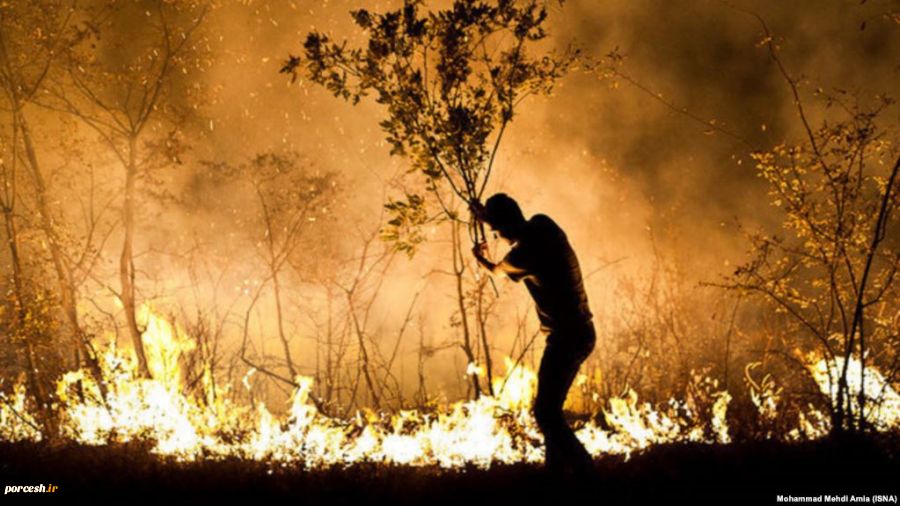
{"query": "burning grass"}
{"type": "Point", "coordinates": [208, 425]}
{"type": "Point", "coordinates": [480, 433]}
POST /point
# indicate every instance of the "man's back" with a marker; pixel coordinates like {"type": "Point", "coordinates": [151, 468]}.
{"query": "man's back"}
{"type": "Point", "coordinates": [551, 273]}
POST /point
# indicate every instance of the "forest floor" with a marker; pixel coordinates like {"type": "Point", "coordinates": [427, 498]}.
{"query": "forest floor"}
{"type": "Point", "coordinates": [738, 473]}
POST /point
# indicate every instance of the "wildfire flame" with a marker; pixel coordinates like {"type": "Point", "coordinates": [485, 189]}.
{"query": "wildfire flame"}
{"type": "Point", "coordinates": [480, 432]}
{"type": "Point", "coordinates": [882, 407]}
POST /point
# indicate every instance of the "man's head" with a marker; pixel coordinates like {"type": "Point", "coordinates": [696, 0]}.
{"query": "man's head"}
{"type": "Point", "coordinates": [503, 214]}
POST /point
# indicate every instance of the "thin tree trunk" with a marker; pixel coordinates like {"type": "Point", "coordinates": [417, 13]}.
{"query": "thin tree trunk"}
{"type": "Point", "coordinates": [329, 350]}
{"type": "Point", "coordinates": [364, 354]}
{"type": "Point", "coordinates": [482, 330]}
{"type": "Point", "coordinates": [422, 391]}
{"type": "Point", "coordinates": [878, 235]}
{"type": "Point", "coordinates": [459, 268]}
{"type": "Point", "coordinates": [126, 260]}
{"type": "Point", "coordinates": [280, 320]}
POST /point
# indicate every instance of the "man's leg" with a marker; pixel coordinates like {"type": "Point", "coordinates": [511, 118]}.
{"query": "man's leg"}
{"type": "Point", "coordinates": [559, 366]}
{"type": "Point", "coordinates": [576, 451]}
{"type": "Point", "coordinates": [551, 394]}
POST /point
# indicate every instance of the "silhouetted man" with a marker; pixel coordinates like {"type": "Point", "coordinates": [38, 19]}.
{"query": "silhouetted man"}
{"type": "Point", "coordinates": [542, 257]}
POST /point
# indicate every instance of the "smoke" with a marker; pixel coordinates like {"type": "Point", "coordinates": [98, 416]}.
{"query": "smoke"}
{"type": "Point", "coordinates": [627, 177]}
{"type": "Point", "coordinates": [612, 158]}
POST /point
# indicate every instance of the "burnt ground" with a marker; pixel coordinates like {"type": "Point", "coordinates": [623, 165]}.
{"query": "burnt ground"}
{"type": "Point", "coordinates": [740, 473]}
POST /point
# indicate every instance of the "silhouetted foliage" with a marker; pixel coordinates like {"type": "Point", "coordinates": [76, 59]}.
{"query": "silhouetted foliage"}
{"type": "Point", "coordinates": [450, 80]}
{"type": "Point", "coordinates": [834, 274]}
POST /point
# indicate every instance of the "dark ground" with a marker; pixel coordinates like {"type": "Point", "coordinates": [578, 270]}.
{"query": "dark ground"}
{"type": "Point", "coordinates": [745, 473]}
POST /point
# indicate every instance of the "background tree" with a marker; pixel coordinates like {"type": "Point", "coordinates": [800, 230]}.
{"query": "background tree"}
{"type": "Point", "coordinates": [834, 275]}
{"type": "Point", "coordinates": [290, 197]}
{"type": "Point", "coordinates": [131, 91]}
{"type": "Point", "coordinates": [284, 205]}
{"type": "Point", "coordinates": [33, 38]}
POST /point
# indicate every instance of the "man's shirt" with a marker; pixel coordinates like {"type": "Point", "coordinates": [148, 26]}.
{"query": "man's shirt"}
{"type": "Point", "coordinates": [545, 261]}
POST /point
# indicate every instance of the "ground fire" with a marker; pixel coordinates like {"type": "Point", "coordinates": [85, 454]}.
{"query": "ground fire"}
{"type": "Point", "coordinates": [486, 431]}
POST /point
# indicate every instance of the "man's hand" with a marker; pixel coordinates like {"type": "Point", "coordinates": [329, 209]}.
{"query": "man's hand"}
{"type": "Point", "coordinates": [477, 210]}
{"type": "Point", "coordinates": [479, 250]}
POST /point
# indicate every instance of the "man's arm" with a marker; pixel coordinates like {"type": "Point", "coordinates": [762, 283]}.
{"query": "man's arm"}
{"type": "Point", "coordinates": [478, 250]}
{"type": "Point", "coordinates": [501, 267]}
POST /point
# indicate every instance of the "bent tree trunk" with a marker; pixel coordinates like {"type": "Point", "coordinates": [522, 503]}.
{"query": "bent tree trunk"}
{"type": "Point", "coordinates": [65, 285]}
